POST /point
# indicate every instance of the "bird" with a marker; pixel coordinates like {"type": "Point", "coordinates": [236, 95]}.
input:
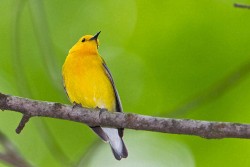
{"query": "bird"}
{"type": "Point", "coordinates": [88, 82]}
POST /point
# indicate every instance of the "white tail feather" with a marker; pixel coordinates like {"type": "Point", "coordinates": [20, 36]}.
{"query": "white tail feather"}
{"type": "Point", "coordinates": [116, 142]}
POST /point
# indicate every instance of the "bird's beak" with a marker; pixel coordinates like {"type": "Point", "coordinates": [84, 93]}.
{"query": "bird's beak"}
{"type": "Point", "coordinates": [95, 36]}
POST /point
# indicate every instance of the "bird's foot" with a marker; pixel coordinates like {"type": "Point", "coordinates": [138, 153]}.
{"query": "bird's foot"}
{"type": "Point", "coordinates": [101, 110]}
{"type": "Point", "coordinates": [76, 105]}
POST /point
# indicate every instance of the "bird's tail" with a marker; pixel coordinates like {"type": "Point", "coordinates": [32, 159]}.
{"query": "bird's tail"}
{"type": "Point", "coordinates": [116, 143]}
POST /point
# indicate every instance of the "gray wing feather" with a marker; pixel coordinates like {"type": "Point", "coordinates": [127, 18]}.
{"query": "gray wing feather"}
{"type": "Point", "coordinates": [117, 98]}
{"type": "Point", "coordinates": [118, 101]}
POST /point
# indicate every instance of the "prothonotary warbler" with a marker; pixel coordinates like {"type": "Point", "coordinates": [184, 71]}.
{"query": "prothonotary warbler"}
{"type": "Point", "coordinates": [88, 82]}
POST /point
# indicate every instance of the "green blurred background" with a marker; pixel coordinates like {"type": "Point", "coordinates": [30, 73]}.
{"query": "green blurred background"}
{"type": "Point", "coordinates": [183, 59]}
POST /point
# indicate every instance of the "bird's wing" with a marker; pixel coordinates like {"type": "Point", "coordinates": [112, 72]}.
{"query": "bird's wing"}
{"type": "Point", "coordinates": [117, 98]}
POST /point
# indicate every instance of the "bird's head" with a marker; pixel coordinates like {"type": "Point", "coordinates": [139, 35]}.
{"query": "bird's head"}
{"type": "Point", "coordinates": [87, 44]}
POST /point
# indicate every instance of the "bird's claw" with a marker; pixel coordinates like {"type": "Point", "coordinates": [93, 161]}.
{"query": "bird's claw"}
{"type": "Point", "coordinates": [102, 110]}
{"type": "Point", "coordinates": [76, 105]}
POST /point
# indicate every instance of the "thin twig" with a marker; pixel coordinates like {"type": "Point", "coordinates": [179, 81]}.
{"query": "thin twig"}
{"type": "Point", "coordinates": [22, 123]}
{"type": "Point", "coordinates": [97, 117]}
{"type": "Point", "coordinates": [237, 5]}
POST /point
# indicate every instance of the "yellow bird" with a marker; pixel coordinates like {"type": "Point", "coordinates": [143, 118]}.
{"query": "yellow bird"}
{"type": "Point", "coordinates": [88, 82]}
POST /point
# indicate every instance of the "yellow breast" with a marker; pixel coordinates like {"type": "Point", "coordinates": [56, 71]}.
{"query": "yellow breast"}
{"type": "Point", "coordinates": [86, 82]}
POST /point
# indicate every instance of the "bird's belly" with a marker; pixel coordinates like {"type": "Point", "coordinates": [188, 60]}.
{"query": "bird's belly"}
{"type": "Point", "coordinates": [91, 88]}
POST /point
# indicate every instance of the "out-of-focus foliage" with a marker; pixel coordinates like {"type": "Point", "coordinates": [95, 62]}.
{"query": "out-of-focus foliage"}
{"type": "Point", "coordinates": [161, 54]}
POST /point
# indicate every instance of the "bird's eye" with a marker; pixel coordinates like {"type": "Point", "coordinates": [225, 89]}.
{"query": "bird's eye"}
{"type": "Point", "coordinates": [83, 40]}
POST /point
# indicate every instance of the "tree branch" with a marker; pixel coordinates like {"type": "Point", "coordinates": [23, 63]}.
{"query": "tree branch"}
{"type": "Point", "coordinates": [95, 117]}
